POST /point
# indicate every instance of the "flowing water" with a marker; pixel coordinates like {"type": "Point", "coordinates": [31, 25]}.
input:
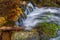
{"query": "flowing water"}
{"type": "Point", "coordinates": [38, 15]}
{"type": "Point", "coordinates": [27, 10]}
{"type": "Point", "coordinates": [42, 13]}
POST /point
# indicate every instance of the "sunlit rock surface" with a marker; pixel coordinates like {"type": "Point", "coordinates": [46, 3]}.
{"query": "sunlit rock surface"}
{"type": "Point", "coordinates": [27, 35]}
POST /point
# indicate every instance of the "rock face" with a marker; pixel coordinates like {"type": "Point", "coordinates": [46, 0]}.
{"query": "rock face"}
{"type": "Point", "coordinates": [25, 36]}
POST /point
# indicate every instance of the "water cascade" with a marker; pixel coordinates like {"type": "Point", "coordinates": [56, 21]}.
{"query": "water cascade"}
{"type": "Point", "coordinates": [27, 10]}
{"type": "Point", "coordinates": [37, 15]}
{"type": "Point", "coordinates": [40, 13]}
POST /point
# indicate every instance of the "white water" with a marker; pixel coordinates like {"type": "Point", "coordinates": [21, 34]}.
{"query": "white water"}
{"type": "Point", "coordinates": [29, 8]}
{"type": "Point", "coordinates": [39, 15]}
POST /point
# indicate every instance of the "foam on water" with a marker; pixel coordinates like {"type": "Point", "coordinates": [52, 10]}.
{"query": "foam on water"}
{"type": "Point", "coordinates": [32, 20]}
{"type": "Point", "coordinates": [37, 15]}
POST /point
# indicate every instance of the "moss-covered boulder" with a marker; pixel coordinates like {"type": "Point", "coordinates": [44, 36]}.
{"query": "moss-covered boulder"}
{"type": "Point", "coordinates": [25, 35]}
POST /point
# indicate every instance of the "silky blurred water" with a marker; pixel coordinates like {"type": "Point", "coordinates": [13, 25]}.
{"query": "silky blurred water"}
{"type": "Point", "coordinates": [37, 15]}
{"type": "Point", "coordinates": [44, 14]}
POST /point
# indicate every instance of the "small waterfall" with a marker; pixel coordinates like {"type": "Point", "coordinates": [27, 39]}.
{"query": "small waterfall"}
{"type": "Point", "coordinates": [40, 15]}
{"type": "Point", "coordinates": [35, 15]}
{"type": "Point", "coordinates": [27, 10]}
{"type": "Point", "coordinates": [44, 14]}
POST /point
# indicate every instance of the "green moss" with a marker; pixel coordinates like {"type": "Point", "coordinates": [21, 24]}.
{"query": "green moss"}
{"type": "Point", "coordinates": [25, 35]}
{"type": "Point", "coordinates": [47, 29]}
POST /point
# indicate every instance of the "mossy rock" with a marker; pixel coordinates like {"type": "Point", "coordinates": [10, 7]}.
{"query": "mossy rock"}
{"type": "Point", "coordinates": [27, 35]}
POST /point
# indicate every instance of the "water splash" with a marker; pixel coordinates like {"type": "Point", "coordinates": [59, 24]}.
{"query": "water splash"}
{"type": "Point", "coordinates": [37, 15]}
{"type": "Point", "coordinates": [28, 9]}
{"type": "Point", "coordinates": [41, 13]}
